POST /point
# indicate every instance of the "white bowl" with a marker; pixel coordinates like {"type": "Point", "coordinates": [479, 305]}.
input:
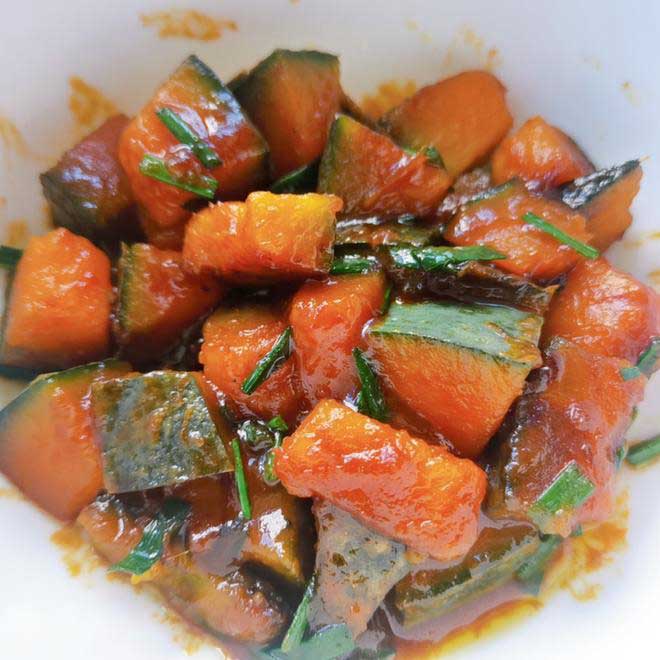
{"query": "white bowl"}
{"type": "Point", "coordinates": [589, 67]}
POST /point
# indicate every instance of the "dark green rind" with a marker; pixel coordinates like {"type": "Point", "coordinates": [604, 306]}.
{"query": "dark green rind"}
{"type": "Point", "coordinates": [502, 333]}
{"type": "Point", "coordinates": [493, 560]}
{"type": "Point", "coordinates": [155, 430]}
{"type": "Point", "coordinates": [327, 166]}
{"type": "Point", "coordinates": [246, 84]}
{"type": "Point", "coordinates": [358, 231]}
{"type": "Point", "coordinates": [21, 404]}
{"type": "Point", "coordinates": [355, 569]}
{"type": "Point", "coordinates": [584, 190]}
{"type": "Point", "coordinates": [470, 282]}
{"type": "Point", "coordinates": [302, 180]}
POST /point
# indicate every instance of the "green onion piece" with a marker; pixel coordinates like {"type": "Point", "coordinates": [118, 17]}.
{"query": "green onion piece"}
{"type": "Point", "coordinates": [370, 399]}
{"type": "Point", "coordinates": [278, 424]}
{"type": "Point", "coordinates": [434, 257]}
{"type": "Point", "coordinates": [648, 359]}
{"type": "Point", "coordinates": [387, 299]}
{"type": "Point", "coordinates": [300, 180]}
{"type": "Point", "coordinates": [155, 168]}
{"type": "Point", "coordinates": [629, 373]}
{"type": "Point", "coordinates": [434, 157]}
{"type": "Point", "coordinates": [185, 134]}
{"type": "Point", "coordinates": [619, 456]}
{"type": "Point", "coordinates": [582, 248]}
{"type": "Point", "coordinates": [331, 642]}
{"type": "Point", "coordinates": [256, 434]}
{"type": "Point", "coordinates": [9, 256]}
{"type": "Point", "coordinates": [569, 490]}
{"type": "Point", "coordinates": [296, 631]}
{"type": "Point", "coordinates": [353, 265]}
{"type": "Point", "coordinates": [578, 531]}
{"type": "Point", "coordinates": [149, 549]}
{"type": "Point", "coordinates": [269, 363]}
{"type": "Point", "coordinates": [533, 569]}
{"type": "Point", "coordinates": [644, 452]}
{"type": "Point", "coordinates": [241, 481]}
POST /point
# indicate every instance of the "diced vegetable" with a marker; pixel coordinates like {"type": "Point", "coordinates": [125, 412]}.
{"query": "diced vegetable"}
{"type": "Point", "coordinates": [292, 97]}
{"type": "Point", "coordinates": [275, 540]}
{"type": "Point", "coordinates": [373, 175]}
{"type": "Point", "coordinates": [496, 220]}
{"type": "Point", "coordinates": [459, 367]}
{"type": "Point", "coordinates": [336, 454]}
{"type": "Point", "coordinates": [579, 418]}
{"type": "Point", "coordinates": [327, 320]}
{"type": "Point", "coordinates": [429, 593]}
{"type": "Point", "coordinates": [604, 199]}
{"type": "Point", "coordinates": [158, 300]}
{"type": "Point", "coordinates": [88, 191]}
{"type": "Point", "coordinates": [376, 230]}
{"type": "Point", "coordinates": [234, 341]}
{"type": "Point", "coordinates": [237, 604]}
{"type": "Point", "coordinates": [644, 452]}
{"type": "Point", "coordinates": [472, 282]}
{"type": "Point", "coordinates": [541, 155]}
{"type": "Point", "coordinates": [267, 238]}
{"type": "Point", "coordinates": [155, 430]}
{"type": "Point", "coordinates": [47, 445]}
{"type": "Point", "coordinates": [464, 117]}
{"type": "Point", "coordinates": [213, 115]}
{"type": "Point", "coordinates": [604, 310]}
{"type": "Point", "coordinates": [58, 314]}
{"type": "Point", "coordinates": [355, 569]}
{"type": "Point", "coordinates": [150, 548]}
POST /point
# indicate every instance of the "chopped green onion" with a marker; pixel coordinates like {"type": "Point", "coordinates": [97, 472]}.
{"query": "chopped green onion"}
{"type": "Point", "coordinates": [241, 482]}
{"type": "Point", "coordinates": [149, 549]}
{"type": "Point", "coordinates": [644, 452]}
{"type": "Point", "coordinates": [569, 490]}
{"type": "Point", "coordinates": [434, 157]}
{"type": "Point", "coordinates": [582, 248]}
{"type": "Point", "coordinates": [370, 400]}
{"type": "Point", "coordinates": [269, 363]}
{"type": "Point", "coordinates": [533, 569]}
{"type": "Point", "coordinates": [278, 424]}
{"type": "Point", "coordinates": [185, 134]}
{"type": "Point", "coordinates": [296, 631]}
{"type": "Point", "coordinates": [619, 456]}
{"type": "Point", "coordinates": [629, 373]}
{"type": "Point", "coordinates": [434, 257]}
{"type": "Point", "coordinates": [300, 180]}
{"type": "Point", "coordinates": [9, 256]}
{"type": "Point", "coordinates": [353, 265]}
{"type": "Point", "coordinates": [155, 168]}
{"type": "Point", "coordinates": [387, 299]}
{"type": "Point", "coordinates": [256, 434]}
{"type": "Point", "coordinates": [332, 642]}
{"type": "Point", "coordinates": [648, 359]}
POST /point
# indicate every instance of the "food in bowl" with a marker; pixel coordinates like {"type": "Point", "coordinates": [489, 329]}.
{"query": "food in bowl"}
{"type": "Point", "coordinates": [321, 379]}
